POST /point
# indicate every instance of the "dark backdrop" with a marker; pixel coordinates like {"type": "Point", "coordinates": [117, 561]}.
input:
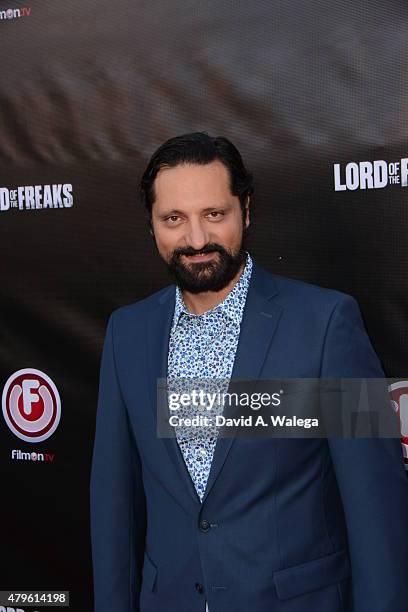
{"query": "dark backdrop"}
{"type": "Point", "coordinates": [87, 91]}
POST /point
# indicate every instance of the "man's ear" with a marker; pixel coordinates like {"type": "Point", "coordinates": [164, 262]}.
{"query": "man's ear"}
{"type": "Point", "coordinates": [247, 220]}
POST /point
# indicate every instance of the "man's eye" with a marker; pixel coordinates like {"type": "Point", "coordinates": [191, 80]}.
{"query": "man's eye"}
{"type": "Point", "coordinates": [214, 214]}
{"type": "Point", "coordinates": [173, 218]}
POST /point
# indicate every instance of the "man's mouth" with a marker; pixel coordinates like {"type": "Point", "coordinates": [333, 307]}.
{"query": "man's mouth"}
{"type": "Point", "coordinates": [201, 256]}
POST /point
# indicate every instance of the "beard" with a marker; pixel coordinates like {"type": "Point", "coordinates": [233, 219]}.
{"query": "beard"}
{"type": "Point", "coordinates": [213, 275]}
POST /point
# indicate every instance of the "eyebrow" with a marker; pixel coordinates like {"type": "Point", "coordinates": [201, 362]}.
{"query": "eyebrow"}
{"type": "Point", "coordinates": [174, 211]}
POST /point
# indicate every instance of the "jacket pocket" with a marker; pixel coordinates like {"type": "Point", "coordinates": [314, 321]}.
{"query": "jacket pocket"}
{"type": "Point", "coordinates": [149, 572]}
{"type": "Point", "coordinates": [313, 575]}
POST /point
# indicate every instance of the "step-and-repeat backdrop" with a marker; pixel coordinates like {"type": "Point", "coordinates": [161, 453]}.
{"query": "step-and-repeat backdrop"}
{"type": "Point", "coordinates": [314, 95]}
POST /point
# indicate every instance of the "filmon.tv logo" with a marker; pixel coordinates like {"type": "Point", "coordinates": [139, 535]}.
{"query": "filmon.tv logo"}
{"type": "Point", "coordinates": [31, 405]}
{"type": "Point", "coordinates": [399, 400]}
{"type": "Point", "coordinates": [8, 609]}
{"type": "Point", "coordinates": [15, 13]}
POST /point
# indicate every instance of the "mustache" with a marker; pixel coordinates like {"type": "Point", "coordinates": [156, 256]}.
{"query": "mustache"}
{"type": "Point", "coordinates": [209, 248]}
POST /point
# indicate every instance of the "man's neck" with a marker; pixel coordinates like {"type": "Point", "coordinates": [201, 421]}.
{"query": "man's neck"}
{"type": "Point", "coordinates": [198, 303]}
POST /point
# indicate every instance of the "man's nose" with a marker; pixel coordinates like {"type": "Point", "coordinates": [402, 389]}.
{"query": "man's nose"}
{"type": "Point", "coordinates": [196, 236]}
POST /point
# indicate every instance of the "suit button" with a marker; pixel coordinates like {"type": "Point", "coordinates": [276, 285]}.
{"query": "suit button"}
{"type": "Point", "coordinates": [204, 525]}
{"type": "Point", "coordinates": [199, 587]}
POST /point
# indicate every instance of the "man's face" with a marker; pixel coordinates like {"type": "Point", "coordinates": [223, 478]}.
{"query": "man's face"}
{"type": "Point", "coordinates": [198, 226]}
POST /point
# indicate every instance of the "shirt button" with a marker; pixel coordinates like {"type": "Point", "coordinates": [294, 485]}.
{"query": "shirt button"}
{"type": "Point", "coordinates": [199, 587]}
{"type": "Point", "coordinates": [201, 454]}
{"type": "Point", "coordinates": [204, 525]}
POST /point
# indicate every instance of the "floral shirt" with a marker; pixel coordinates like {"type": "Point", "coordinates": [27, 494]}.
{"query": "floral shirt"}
{"type": "Point", "coordinates": [204, 346]}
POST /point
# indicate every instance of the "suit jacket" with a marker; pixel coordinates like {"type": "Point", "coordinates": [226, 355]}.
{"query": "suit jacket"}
{"type": "Point", "coordinates": [286, 525]}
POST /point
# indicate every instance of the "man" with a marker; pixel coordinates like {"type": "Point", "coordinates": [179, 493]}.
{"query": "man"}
{"type": "Point", "coordinates": [235, 524]}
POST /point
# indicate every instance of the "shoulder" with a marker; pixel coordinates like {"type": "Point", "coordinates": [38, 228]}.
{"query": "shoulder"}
{"type": "Point", "coordinates": [304, 295]}
{"type": "Point", "coordinates": [308, 306]}
{"type": "Point", "coordinates": [141, 308]}
{"type": "Point", "coordinates": [335, 317]}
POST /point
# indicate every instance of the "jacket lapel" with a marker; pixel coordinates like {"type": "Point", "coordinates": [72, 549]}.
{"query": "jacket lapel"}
{"type": "Point", "coordinates": [158, 335]}
{"type": "Point", "coordinates": [260, 319]}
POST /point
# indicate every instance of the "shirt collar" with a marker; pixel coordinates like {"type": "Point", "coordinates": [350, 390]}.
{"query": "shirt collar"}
{"type": "Point", "coordinates": [232, 306]}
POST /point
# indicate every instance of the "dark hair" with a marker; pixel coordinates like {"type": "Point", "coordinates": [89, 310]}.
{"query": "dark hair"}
{"type": "Point", "coordinates": [197, 148]}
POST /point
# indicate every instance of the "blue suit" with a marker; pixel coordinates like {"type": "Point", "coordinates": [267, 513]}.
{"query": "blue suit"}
{"type": "Point", "coordinates": [286, 525]}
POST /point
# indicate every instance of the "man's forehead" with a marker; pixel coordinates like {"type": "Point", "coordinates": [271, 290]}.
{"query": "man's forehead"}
{"type": "Point", "coordinates": [191, 193]}
{"type": "Point", "coordinates": [192, 177]}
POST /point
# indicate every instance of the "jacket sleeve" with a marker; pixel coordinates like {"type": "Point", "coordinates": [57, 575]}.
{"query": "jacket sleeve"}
{"type": "Point", "coordinates": [117, 501]}
{"type": "Point", "coordinates": [371, 478]}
